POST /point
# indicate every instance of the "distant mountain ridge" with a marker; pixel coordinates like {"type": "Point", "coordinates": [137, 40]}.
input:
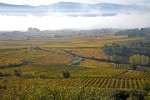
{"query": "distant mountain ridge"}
{"type": "Point", "coordinates": [71, 9]}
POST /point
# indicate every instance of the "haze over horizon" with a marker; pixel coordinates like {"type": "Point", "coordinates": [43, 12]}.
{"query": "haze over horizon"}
{"type": "Point", "coordinates": [47, 2]}
{"type": "Point", "coordinates": [74, 16]}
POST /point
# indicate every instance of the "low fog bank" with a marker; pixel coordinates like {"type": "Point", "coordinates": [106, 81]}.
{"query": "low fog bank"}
{"type": "Point", "coordinates": [59, 22]}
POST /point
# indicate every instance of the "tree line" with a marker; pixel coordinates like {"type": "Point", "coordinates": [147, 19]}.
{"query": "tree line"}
{"type": "Point", "coordinates": [139, 59]}
{"type": "Point", "coordinates": [143, 32]}
{"type": "Point", "coordinates": [135, 53]}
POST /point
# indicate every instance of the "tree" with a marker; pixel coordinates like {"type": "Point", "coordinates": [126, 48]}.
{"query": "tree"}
{"type": "Point", "coordinates": [113, 58]}
{"type": "Point", "coordinates": [132, 60]}
{"type": "Point", "coordinates": [143, 59]}
{"type": "Point", "coordinates": [147, 60]}
{"type": "Point", "coordinates": [139, 59]}
{"type": "Point", "coordinates": [66, 74]}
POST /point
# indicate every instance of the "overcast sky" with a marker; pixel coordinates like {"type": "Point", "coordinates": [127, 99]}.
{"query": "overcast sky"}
{"type": "Point", "coordinates": [46, 2]}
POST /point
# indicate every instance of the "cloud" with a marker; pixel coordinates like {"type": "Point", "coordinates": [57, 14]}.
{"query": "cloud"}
{"type": "Point", "coordinates": [47, 2]}
{"type": "Point", "coordinates": [134, 20]}
{"type": "Point", "coordinates": [121, 1]}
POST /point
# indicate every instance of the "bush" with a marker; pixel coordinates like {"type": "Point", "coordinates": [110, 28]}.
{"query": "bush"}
{"type": "Point", "coordinates": [121, 95]}
{"type": "Point", "coordinates": [36, 75]}
{"type": "Point", "coordinates": [2, 85]}
{"type": "Point", "coordinates": [146, 86]}
{"type": "Point", "coordinates": [66, 74]}
{"type": "Point", "coordinates": [42, 75]}
{"type": "Point", "coordinates": [4, 74]}
{"type": "Point", "coordinates": [138, 95]}
{"type": "Point", "coordinates": [30, 75]}
{"type": "Point", "coordinates": [147, 97]}
{"type": "Point", "coordinates": [1, 74]}
{"type": "Point", "coordinates": [17, 73]}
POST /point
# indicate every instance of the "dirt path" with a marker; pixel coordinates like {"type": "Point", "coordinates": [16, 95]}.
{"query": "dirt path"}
{"type": "Point", "coordinates": [77, 61]}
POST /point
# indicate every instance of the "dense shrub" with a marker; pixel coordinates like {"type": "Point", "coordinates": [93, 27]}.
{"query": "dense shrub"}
{"type": "Point", "coordinates": [17, 73]}
{"type": "Point", "coordinates": [66, 74]}
{"type": "Point", "coordinates": [121, 95]}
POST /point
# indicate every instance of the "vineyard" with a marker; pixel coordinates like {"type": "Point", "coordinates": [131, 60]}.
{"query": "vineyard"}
{"type": "Point", "coordinates": [13, 56]}
{"type": "Point", "coordinates": [88, 52]}
{"type": "Point", "coordinates": [135, 74]}
{"type": "Point", "coordinates": [49, 58]}
{"type": "Point", "coordinates": [122, 66]}
{"type": "Point", "coordinates": [104, 83]}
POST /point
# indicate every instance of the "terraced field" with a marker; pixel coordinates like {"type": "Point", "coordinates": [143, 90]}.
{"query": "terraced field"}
{"type": "Point", "coordinates": [104, 83]}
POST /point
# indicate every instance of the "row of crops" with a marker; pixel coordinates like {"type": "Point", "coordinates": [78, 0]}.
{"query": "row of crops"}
{"type": "Point", "coordinates": [140, 72]}
{"type": "Point", "coordinates": [129, 67]}
{"type": "Point", "coordinates": [122, 66]}
{"type": "Point", "coordinates": [135, 74]}
{"type": "Point", "coordinates": [104, 83]}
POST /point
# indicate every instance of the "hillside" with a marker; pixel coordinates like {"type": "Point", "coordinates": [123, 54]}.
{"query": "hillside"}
{"type": "Point", "coordinates": [72, 9]}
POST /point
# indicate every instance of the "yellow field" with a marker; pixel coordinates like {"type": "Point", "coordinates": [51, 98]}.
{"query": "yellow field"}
{"type": "Point", "coordinates": [51, 57]}
{"type": "Point", "coordinates": [65, 42]}
{"type": "Point", "coordinates": [88, 52]}
{"type": "Point", "coordinates": [35, 56]}
{"type": "Point", "coordinates": [104, 68]}
{"type": "Point", "coordinates": [95, 64]}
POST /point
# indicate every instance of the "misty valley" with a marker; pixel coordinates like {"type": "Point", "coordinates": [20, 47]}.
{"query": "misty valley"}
{"type": "Point", "coordinates": [74, 50]}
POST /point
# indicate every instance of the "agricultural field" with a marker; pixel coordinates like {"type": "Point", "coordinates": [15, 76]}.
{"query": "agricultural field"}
{"type": "Point", "coordinates": [39, 64]}
{"type": "Point", "coordinates": [88, 52]}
